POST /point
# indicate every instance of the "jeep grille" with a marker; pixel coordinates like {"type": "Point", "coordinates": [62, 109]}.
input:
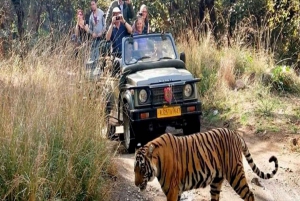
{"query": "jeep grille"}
{"type": "Point", "coordinates": [158, 95]}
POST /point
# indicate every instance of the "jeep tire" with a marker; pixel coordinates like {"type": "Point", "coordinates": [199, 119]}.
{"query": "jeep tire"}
{"type": "Point", "coordinates": [192, 125]}
{"type": "Point", "coordinates": [129, 131]}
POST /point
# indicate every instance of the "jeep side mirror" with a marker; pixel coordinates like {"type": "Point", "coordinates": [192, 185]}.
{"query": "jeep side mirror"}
{"type": "Point", "coordinates": [182, 56]}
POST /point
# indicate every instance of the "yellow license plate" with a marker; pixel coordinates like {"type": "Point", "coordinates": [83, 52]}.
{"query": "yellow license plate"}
{"type": "Point", "coordinates": [168, 112]}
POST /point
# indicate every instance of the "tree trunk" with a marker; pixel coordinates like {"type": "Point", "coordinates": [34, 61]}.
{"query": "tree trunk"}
{"type": "Point", "coordinates": [5, 33]}
{"type": "Point", "coordinates": [33, 17]}
{"type": "Point", "coordinates": [18, 5]}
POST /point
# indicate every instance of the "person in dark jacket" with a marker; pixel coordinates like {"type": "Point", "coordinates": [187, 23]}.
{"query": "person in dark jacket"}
{"type": "Point", "coordinates": [80, 30]}
{"type": "Point", "coordinates": [81, 35]}
{"type": "Point", "coordinates": [118, 29]}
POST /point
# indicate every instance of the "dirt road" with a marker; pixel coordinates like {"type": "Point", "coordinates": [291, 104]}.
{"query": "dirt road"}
{"type": "Point", "coordinates": [285, 186]}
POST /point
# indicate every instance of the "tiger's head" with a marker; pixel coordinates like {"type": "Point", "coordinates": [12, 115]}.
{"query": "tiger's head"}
{"type": "Point", "coordinates": [144, 169]}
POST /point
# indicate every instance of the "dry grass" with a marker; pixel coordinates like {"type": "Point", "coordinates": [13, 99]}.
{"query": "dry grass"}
{"type": "Point", "coordinates": [260, 105]}
{"type": "Point", "coordinates": [52, 144]}
{"type": "Point", "coordinates": [226, 75]}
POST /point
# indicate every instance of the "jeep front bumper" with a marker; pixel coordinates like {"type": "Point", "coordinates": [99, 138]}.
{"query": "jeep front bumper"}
{"type": "Point", "coordinates": [146, 114]}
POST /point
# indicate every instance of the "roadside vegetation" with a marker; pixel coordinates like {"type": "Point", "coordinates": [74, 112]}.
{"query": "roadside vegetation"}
{"type": "Point", "coordinates": [243, 86]}
{"type": "Point", "coordinates": [51, 142]}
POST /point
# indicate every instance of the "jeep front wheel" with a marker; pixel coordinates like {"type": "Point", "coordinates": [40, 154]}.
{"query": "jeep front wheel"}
{"type": "Point", "coordinates": [192, 125]}
{"type": "Point", "coordinates": [129, 130]}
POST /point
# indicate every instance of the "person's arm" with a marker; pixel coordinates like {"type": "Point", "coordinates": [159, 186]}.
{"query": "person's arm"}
{"type": "Point", "coordinates": [89, 28]}
{"type": "Point", "coordinates": [76, 30]}
{"type": "Point", "coordinates": [109, 32]}
{"type": "Point", "coordinates": [133, 27]}
{"type": "Point", "coordinates": [127, 25]}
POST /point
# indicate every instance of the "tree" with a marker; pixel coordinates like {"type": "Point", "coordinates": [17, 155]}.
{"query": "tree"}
{"type": "Point", "coordinates": [33, 18]}
{"type": "Point", "coordinates": [19, 9]}
{"type": "Point", "coordinates": [5, 27]}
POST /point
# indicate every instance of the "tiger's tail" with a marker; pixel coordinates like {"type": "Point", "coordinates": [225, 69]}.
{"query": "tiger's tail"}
{"type": "Point", "coordinates": [253, 166]}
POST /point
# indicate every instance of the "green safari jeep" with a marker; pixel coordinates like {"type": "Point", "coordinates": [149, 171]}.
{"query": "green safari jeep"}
{"type": "Point", "coordinates": [154, 90]}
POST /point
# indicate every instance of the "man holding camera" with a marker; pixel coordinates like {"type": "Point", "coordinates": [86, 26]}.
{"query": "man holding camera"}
{"type": "Point", "coordinates": [126, 8]}
{"type": "Point", "coordinates": [118, 29]}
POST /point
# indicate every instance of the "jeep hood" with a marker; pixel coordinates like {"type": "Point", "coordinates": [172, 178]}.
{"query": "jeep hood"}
{"type": "Point", "coordinates": [161, 75]}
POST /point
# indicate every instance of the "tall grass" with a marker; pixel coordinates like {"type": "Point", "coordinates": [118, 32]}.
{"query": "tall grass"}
{"type": "Point", "coordinates": [51, 136]}
{"type": "Point", "coordinates": [222, 68]}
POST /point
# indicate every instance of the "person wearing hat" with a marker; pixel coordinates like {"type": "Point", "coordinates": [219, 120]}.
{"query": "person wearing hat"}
{"type": "Point", "coordinates": [126, 8]}
{"type": "Point", "coordinates": [118, 29]}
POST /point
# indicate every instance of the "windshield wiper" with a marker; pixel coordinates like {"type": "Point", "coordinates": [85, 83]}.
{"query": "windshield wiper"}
{"type": "Point", "coordinates": [164, 58]}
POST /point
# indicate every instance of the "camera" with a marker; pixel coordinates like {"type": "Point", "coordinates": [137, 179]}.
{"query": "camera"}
{"type": "Point", "coordinates": [118, 17]}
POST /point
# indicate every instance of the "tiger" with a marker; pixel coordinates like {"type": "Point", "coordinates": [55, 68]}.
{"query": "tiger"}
{"type": "Point", "coordinates": [183, 163]}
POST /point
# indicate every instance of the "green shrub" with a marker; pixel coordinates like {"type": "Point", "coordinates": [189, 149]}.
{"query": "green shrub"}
{"type": "Point", "coordinates": [284, 79]}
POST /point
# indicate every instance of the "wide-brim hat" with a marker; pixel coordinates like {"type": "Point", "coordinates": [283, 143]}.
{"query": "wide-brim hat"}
{"type": "Point", "coordinates": [116, 10]}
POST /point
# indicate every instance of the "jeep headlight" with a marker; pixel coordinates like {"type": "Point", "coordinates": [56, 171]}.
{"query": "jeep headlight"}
{"type": "Point", "coordinates": [188, 90]}
{"type": "Point", "coordinates": [143, 96]}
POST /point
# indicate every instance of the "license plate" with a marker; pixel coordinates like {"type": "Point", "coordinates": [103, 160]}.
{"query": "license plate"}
{"type": "Point", "coordinates": [168, 112]}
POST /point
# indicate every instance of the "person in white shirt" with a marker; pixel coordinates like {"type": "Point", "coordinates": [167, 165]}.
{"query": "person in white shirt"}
{"type": "Point", "coordinates": [96, 28]}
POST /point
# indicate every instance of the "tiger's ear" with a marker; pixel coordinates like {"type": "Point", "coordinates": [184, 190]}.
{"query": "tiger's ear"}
{"type": "Point", "coordinates": [150, 151]}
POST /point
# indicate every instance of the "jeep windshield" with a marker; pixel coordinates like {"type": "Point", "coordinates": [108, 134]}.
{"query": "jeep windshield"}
{"type": "Point", "coordinates": [147, 48]}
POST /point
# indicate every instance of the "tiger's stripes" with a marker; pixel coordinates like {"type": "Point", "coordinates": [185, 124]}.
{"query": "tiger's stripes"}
{"type": "Point", "coordinates": [196, 161]}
